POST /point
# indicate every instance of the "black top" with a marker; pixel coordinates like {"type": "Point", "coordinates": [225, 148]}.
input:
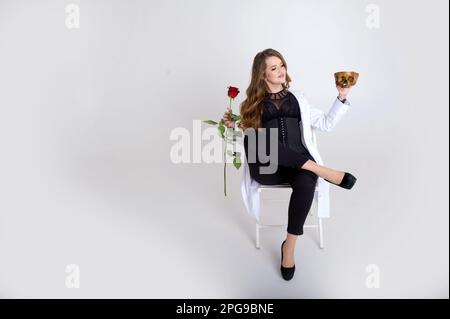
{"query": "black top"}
{"type": "Point", "coordinates": [281, 110]}
{"type": "Point", "coordinates": [280, 104]}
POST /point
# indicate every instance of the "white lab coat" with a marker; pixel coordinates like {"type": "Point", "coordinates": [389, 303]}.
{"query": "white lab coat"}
{"type": "Point", "coordinates": [312, 119]}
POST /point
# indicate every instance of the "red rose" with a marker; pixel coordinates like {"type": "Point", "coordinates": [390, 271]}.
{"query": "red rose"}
{"type": "Point", "coordinates": [233, 91]}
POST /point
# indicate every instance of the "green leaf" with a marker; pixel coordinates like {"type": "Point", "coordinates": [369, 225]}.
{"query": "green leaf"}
{"type": "Point", "coordinates": [221, 129]}
{"type": "Point", "coordinates": [235, 117]}
{"type": "Point", "coordinates": [229, 152]}
{"type": "Point", "coordinates": [237, 162]}
{"type": "Point", "coordinates": [210, 122]}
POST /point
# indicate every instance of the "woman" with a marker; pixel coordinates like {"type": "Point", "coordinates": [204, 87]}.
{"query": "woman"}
{"type": "Point", "coordinates": [270, 105]}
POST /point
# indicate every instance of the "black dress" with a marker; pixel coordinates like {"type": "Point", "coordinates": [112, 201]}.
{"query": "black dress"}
{"type": "Point", "coordinates": [281, 111]}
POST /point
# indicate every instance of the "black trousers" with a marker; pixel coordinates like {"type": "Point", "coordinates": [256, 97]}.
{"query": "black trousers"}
{"type": "Point", "coordinates": [303, 183]}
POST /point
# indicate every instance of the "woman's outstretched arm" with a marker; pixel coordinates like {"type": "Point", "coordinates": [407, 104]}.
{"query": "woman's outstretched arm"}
{"type": "Point", "coordinates": [327, 121]}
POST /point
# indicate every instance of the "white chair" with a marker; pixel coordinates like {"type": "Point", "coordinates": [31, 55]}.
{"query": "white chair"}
{"type": "Point", "coordinates": [264, 189]}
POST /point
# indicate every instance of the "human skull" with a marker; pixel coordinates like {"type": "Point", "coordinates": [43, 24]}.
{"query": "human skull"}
{"type": "Point", "coordinates": [346, 79]}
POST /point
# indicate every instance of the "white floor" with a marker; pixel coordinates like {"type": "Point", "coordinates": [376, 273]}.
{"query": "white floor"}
{"type": "Point", "coordinates": [86, 176]}
{"type": "Point", "coordinates": [132, 243]}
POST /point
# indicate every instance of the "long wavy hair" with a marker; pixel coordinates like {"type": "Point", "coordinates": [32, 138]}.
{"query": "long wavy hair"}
{"type": "Point", "coordinates": [251, 107]}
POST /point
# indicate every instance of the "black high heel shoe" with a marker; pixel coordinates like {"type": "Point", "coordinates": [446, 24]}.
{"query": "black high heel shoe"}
{"type": "Point", "coordinates": [286, 272]}
{"type": "Point", "coordinates": [347, 181]}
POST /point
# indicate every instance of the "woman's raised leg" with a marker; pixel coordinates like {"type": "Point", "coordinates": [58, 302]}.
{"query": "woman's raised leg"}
{"type": "Point", "coordinates": [330, 174]}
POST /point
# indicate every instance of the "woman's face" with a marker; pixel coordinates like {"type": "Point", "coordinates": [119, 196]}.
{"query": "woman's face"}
{"type": "Point", "coordinates": [275, 71]}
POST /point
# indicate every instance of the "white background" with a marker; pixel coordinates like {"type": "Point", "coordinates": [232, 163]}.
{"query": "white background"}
{"type": "Point", "coordinates": [86, 177]}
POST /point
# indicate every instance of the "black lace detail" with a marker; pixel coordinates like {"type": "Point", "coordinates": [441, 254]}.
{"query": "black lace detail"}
{"type": "Point", "coordinates": [278, 95]}
{"type": "Point", "coordinates": [276, 99]}
{"type": "Point", "coordinates": [286, 106]}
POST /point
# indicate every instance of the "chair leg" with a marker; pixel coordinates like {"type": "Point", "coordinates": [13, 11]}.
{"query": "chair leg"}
{"type": "Point", "coordinates": [321, 233]}
{"type": "Point", "coordinates": [257, 236]}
